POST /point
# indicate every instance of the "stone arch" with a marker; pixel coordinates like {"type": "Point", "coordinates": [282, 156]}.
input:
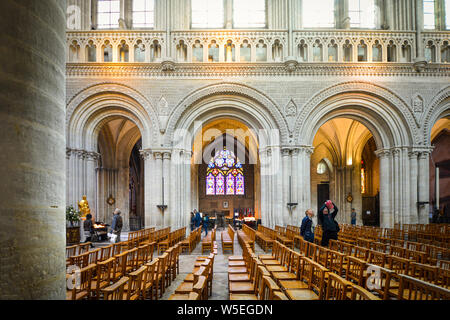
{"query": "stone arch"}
{"type": "Point", "coordinates": [106, 97]}
{"type": "Point", "coordinates": [385, 114]}
{"type": "Point", "coordinates": [439, 108]}
{"type": "Point", "coordinates": [243, 99]}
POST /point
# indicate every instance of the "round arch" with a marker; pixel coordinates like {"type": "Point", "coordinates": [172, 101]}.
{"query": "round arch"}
{"type": "Point", "coordinates": [243, 102]}
{"type": "Point", "coordinates": [439, 108]}
{"type": "Point", "coordinates": [103, 100]}
{"type": "Point", "coordinates": [385, 114]}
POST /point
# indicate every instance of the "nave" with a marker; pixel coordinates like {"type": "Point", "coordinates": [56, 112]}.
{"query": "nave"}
{"type": "Point", "coordinates": [408, 263]}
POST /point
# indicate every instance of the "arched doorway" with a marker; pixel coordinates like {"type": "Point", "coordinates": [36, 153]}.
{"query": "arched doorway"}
{"type": "Point", "coordinates": [104, 125]}
{"type": "Point", "coordinates": [440, 163]}
{"type": "Point", "coordinates": [120, 172]}
{"type": "Point", "coordinates": [345, 169]}
{"type": "Point", "coordinates": [228, 173]}
{"type": "Point", "coordinates": [218, 109]}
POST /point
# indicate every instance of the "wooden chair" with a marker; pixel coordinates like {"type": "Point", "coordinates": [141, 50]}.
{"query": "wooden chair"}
{"type": "Point", "coordinates": [115, 291]}
{"type": "Point", "coordinates": [292, 272]}
{"type": "Point", "coordinates": [159, 280]}
{"type": "Point", "coordinates": [134, 287]}
{"type": "Point", "coordinates": [315, 279]}
{"type": "Point", "coordinates": [415, 289]}
{"type": "Point", "coordinates": [377, 258]}
{"type": "Point", "coordinates": [338, 262]}
{"type": "Point", "coordinates": [102, 278]}
{"type": "Point", "coordinates": [190, 296]}
{"type": "Point", "coordinates": [106, 253]}
{"type": "Point", "coordinates": [424, 272]}
{"type": "Point", "coordinates": [82, 284]}
{"type": "Point", "coordinates": [250, 290]}
{"type": "Point", "coordinates": [355, 271]}
{"type": "Point", "coordinates": [337, 287]}
{"type": "Point", "coordinates": [150, 279]}
{"type": "Point", "coordinates": [359, 293]}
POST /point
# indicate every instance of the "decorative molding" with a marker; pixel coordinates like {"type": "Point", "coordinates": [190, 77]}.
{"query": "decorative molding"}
{"type": "Point", "coordinates": [291, 109]}
{"type": "Point", "coordinates": [239, 69]}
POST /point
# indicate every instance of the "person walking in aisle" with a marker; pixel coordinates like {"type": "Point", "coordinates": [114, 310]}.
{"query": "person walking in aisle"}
{"type": "Point", "coordinates": [330, 227]}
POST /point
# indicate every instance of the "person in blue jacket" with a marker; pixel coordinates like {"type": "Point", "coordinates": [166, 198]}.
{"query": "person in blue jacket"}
{"type": "Point", "coordinates": [330, 227]}
{"type": "Point", "coordinates": [205, 223]}
{"type": "Point", "coordinates": [306, 230]}
{"type": "Point", "coordinates": [197, 219]}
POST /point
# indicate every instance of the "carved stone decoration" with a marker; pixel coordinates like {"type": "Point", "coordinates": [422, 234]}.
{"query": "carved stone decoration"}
{"type": "Point", "coordinates": [420, 65]}
{"type": "Point", "coordinates": [168, 65]}
{"type": "Point", "coordinates": [417, 103]}
{"type": "Point", "coordinates": [291, 109]}
{"type": "Point", "coordinates": [291, 64]}
{"type": "Point", "coordinates": [163, 107]}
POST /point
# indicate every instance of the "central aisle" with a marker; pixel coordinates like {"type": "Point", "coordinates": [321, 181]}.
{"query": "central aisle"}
{"type": "Point", "coordinates": [220, 278]}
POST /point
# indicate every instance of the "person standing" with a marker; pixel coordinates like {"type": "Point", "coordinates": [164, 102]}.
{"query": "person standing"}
{"type": "Point", "coordinates": [192, 221]}
{"type": "Point", "coordinates": [117, 224]}
{"type": "Point", "coordinates": [88, 228]}
{"type": "Point", "coordinates": [353, 217]}
{"type": "Point", "coordinates": [198, 219]}
{"type": "Point", "coordinates": [306, 229]}
{"type": "Point", "coordinates": [205, 223]}
{"type": "Point", "coordinates": [330, 227]}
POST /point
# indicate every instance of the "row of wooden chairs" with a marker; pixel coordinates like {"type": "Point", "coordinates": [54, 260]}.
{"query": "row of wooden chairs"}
{"type": "Point", "coordinates": [172, 238]}
{"type": "Point", "coordinates": [248, 279]}
{"type": "Point", "coordinates": [265, 237]}
{"type": "Point", "coordinates": [132, 273]}
{"type": "Point", "coordinates": [138, 237]}
{"type": "Point", "coordinates": [227, 238]}
{"type": "Point", "coordinates": [208, 241]}
{"type": "Point", "coordinates": [198, 284]}
{"type": "Point", "coordinates": [191, 242]}
{"type": "Point", "coordinates": [246, 235]}
{"type": "Point", "coordinates": [350, 265]}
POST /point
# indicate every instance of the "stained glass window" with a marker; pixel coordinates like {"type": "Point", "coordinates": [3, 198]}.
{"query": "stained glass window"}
{"type": "Point", "coordinates": [225, 175]}
{"type": "Point", "coordinates": [220, 184]}
{"type": "Point", "coordinates": [210, 182]}
{"type": "Point", "coordinates": [230, 183]}
{"type": "Point", "coordinates": [240, 184]}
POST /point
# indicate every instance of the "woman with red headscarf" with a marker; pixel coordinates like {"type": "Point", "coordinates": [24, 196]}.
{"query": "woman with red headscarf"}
{"type": "Point", "coordinates": [330, 227]}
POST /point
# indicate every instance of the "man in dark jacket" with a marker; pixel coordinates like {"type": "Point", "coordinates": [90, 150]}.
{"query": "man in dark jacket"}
{"type": "Point", "coordinates": [306, 227]}
{"type": "Point", "coordinates": [330, 227]}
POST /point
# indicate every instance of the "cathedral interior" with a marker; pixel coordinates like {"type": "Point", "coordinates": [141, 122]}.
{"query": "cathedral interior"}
{"type": "Point", "coordinates": [250, 112]}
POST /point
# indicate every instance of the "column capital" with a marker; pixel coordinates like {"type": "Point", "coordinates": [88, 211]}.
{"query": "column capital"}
{"type": "Point", "coordinates": [145, 154]}
{"type": "Point", "coordinates": [167, 155]}
{"type": "Point", "coordinates": [285, 151]}
{"type": "Point", "coordinates": [382, 153]}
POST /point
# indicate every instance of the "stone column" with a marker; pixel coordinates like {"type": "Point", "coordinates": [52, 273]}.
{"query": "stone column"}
{"type": "Point", "coordinates": [413, 159]}
{"type": "Point", "coordinates": [266, 218]}
{"type": "Point", "coordinates": [285, 159]}
{"type": "Point", "coordinates": [152, 182]}
{"type": "Point", "coordinates": [303, 183]}
{"type": "Point", "coordinates": [167, 191]}
{"type": "Point", "coordinates": [32, 161]}
{"type": "Point", "coordinates": [424, 188]}
{"type": "Point", "coordinates": [386, 214]}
